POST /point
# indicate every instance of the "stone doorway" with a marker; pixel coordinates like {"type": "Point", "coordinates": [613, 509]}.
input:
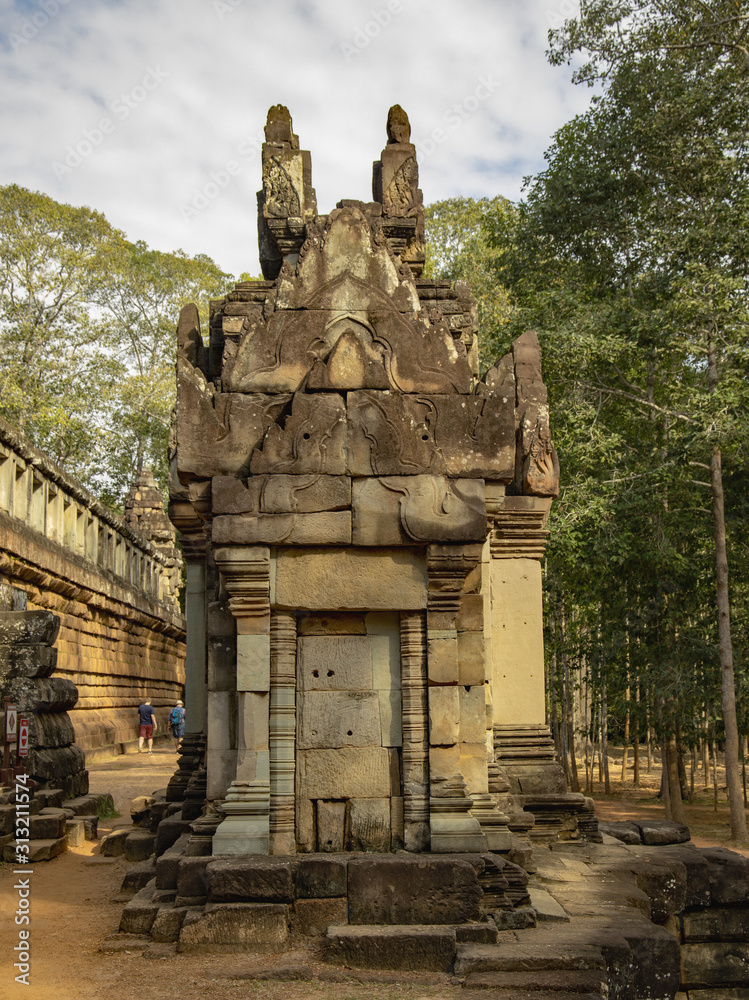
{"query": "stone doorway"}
{"type": "Point", "coordinates": [348, 734]}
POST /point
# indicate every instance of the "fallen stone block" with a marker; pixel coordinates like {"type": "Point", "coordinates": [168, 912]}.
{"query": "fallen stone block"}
{"type": "Point", "coordinates": [48, 824]}
{"type": "Point", "coordinates": [140, 810]}
{"type": "Point", "coordinates": [627, 833]}
{"type": "Point", "coordinates": [53, 797]}
{"type": "Point", "coordinates": [91, 827]}
{"type": "Point", "coordinates": [113, 845]}
{"type": "Point", "coordinates": [39, 850]}
{"type": "Point", "coordinates": [139, 914]}
{"type": "Point", "coordinates": [75, 832]}
{"type": "Point", "coordinates": [254, 927]}
{"type": "Point", "coordinates": [410, 947]}
{"type": "Point", "coordinates": [546, 907]}
{"type": "Point", "coordinates": [477, 933]}
{"type": "Point", "coordinates": [84, 805]}
{"type": "Point", "coordinates": [662, 831]}
{"type": "Point", "coordinates": [139, 845]}
{"type": "Point", "coordinates": [516, 919]}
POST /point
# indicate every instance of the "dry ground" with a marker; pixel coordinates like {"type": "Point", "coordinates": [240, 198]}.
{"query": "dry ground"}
{"type": "Point", "coordinates": [75, 905]}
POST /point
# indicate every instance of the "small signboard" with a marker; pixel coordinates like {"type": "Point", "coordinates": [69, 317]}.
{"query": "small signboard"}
{"type": "Point", "coordinates": [11, 723]}
{"type": "Point", "coordinates": [23, 737]}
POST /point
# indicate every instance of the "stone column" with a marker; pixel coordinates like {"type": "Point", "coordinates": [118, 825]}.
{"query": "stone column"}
{"type": "Point", "coordinates": [245, 571]}
{"type": "Point", "coordinates": [415, 732]}
{"type": "Point", "coordinates": [195, 645]}
{"type": "Point", "coordinates": [457, 713]}
{"type": "Point", "coordinates": [282, 732]}
{"type": "Point", "coordinates": [523, 744]}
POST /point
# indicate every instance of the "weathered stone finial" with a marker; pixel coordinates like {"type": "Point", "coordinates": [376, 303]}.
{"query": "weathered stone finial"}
{"type": "Point", "coordinates": [287, 202]}
{"type": "Point", "coordinates": [395, 185]}
{"type": "Point", "coordinates": [278, 126]}
{"type": "Point", "coordinates": [398, 125]}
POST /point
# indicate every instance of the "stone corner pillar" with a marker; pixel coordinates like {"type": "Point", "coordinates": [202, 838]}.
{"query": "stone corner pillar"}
{"type": "Point", "coordinates": [245, 574]}
{"type": "Point", "coordinates": [522, 742]}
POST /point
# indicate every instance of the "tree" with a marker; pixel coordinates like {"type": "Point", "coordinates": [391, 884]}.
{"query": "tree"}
{"type": "Point", "coordinates": [57, 369]}
{"type": "Point", "coordinates": [143, 295]}
{"type": "Point", "coordinates": [631, 252]}
{"type": "Point", "coordinates": [87, 343]}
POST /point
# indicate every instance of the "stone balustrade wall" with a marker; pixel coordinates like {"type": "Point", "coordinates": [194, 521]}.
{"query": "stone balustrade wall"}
{"type": "Point", "coordinates": [115, 591]}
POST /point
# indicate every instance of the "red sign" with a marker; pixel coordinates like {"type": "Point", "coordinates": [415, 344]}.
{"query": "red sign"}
{"type": "Point", "coordinates": [11, 723]}
{"type": "Point", "coordinates": [23, 737]}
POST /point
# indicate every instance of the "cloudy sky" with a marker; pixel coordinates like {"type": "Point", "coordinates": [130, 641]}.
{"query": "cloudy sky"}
{"type": "Point", "coordinates": [139, 107]}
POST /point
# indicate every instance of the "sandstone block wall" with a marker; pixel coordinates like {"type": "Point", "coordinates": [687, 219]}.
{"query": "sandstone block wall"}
{"type": "Point", "coordinates": [121, 631]}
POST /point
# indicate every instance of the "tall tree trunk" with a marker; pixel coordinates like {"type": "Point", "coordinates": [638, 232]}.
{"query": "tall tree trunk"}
{"type": "Point", "coordinates": [671, 747]}
{"type": "Point", "coordinates": [625, 748]}
{"type": "Point", "coordinates": [714, 754]}
{"type": "Point", "coordinates": [636, 740]}
{"type": "Point", "coordinates": [605, 740]}
{"type": "Point", "coordinates": [725, 645]}
{"type": "Point", "coordinates": [573, 781]}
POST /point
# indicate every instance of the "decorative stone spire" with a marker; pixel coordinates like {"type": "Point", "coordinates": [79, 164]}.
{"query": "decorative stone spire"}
{"type": "Point", "coordinates": [395, 185]}
{"type": "Point", "coordinates": [144, 511]}
{"type": "Point", "coordinates": [287, 202]}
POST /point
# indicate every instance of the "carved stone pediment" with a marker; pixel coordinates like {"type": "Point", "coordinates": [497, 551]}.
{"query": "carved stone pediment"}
{"type": "Point", "coordinates": [469, 436]}
{"type": "Point", "coordinates": [312, 438]}
{"type": "Point", "coordinates": [217, 431]}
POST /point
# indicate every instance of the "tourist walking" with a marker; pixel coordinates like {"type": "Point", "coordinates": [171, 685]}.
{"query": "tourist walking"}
{"type": "Point", "coordinates": [147, 725]}
{"type": "Point", "coordinates": [177, 722]}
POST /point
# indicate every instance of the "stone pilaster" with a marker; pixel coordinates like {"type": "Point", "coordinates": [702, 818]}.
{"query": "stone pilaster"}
{"type": "Point", "coordinates": [245, 573]}
{"type": "Point", "coordinates": [415, 732]}
{"type": "Point", "coordinates": [282, 731]}
{"type": "Point", "coordinates": [457, 712]}
{"type": "Point", "coordinates": [195, 645]}
{"type": "Point", "coordinates": [517, 542]}
{"type": "Point", "coordinates": [523, 745]}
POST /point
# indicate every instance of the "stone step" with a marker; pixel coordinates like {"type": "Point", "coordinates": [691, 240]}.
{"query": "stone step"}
{"type": "Point", "coordinates": [139, 914]}
{"type": "Point", "coordinates": [414, 947]}
{"type": "Point", "coordinates": [544, 953]}
{"type": "Point", "coordinates": [48, 824]}
{"type": "Point", "coordinates": [588, 982]}
{"type": "Point", "coordinates": [39, 850]}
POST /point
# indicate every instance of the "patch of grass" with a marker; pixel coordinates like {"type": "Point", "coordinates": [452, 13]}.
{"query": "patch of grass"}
{"type": "Point", "coordinates": [107, 809]}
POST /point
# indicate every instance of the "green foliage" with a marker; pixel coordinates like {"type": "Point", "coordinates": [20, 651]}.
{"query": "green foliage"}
{"type": "Point", "coordinates": [87, 344]}
{"type": "Point", "coordinates": [630, 257]}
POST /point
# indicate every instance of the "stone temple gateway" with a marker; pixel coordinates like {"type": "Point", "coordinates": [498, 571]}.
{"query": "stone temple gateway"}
{"type": "Point", "coordinates": [363, 517]}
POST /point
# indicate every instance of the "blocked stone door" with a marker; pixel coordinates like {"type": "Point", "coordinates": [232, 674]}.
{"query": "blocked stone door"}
{"type": "Point", "coordinates": [348, 735]}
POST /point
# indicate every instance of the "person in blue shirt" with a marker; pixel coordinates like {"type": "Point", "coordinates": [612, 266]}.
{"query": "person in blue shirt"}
{"type": "Point", "coordinates": [147, 726]}
{"type": "Point", "coordinates": [177, 722]}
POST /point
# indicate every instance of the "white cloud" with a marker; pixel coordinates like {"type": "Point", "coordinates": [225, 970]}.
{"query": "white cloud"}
{"type": "Point", "coordinates": [221, 63]}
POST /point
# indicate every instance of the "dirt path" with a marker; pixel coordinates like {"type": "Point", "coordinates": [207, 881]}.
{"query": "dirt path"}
{"type": "Point", "coordinates": [75, 905]}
